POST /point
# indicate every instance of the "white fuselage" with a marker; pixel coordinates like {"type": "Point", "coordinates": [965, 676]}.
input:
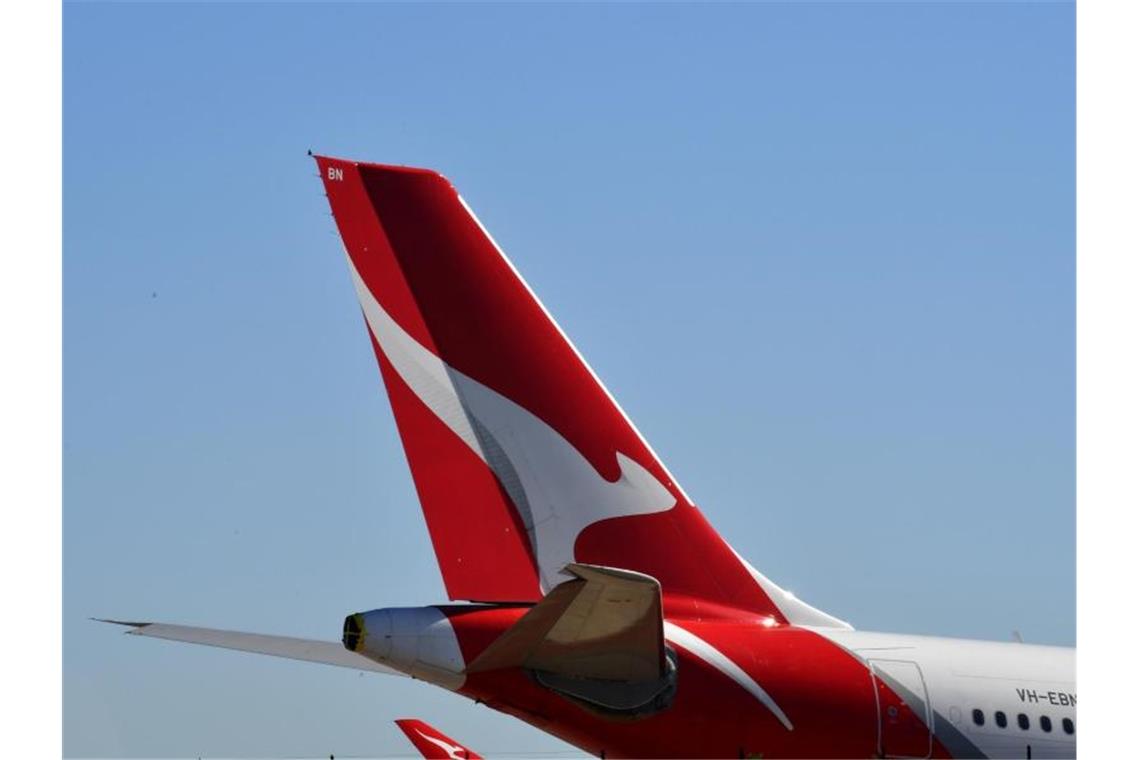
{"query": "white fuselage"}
{"type": "Point", "coordinates": [950, 679]}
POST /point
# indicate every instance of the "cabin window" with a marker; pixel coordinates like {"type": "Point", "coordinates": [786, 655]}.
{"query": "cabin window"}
{"type": "Point", "coordinates": [979, 718]}
{"type": "Point", "coordinates": [999, 718]}
{"type": "Point", "coordinates": [1046, 724]}
{"type": "Point", "coordinates": [1023, 721]}
{"type": "Point", "coordinates": [1067, 724]}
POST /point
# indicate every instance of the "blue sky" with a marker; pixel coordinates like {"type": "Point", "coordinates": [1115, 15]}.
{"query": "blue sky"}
{"type": "Point", "coordinates": [822, 254]}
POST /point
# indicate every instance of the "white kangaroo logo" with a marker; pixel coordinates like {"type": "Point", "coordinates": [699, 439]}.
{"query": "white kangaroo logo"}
{"type": "Point", "coordinates": [454, 751]}
{"type": "Point", "coordinates": [556, 491]}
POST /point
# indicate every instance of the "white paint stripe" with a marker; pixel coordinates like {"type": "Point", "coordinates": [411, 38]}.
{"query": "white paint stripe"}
{"type": "Point", "coordinates": [713, 656]}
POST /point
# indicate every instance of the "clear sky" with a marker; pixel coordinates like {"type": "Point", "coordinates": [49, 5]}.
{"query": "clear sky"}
{"type": "Point", "coordinates": [822, 254]}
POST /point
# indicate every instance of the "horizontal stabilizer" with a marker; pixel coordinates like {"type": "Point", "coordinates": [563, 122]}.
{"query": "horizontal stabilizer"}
{"type": "Point", "coordinates": [324, 652]}
{"type": "Point", "coordinates": [604, 624]}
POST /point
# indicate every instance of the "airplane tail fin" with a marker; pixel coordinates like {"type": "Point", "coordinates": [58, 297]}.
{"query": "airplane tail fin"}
{"type": "Point", "coordinates": [522, 460]}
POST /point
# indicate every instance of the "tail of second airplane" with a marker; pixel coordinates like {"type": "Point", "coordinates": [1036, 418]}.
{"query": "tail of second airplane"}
{"type": "Point", "coordinates": [433, 744]}
{"type": "Point", "coordinates": [522, 460]}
